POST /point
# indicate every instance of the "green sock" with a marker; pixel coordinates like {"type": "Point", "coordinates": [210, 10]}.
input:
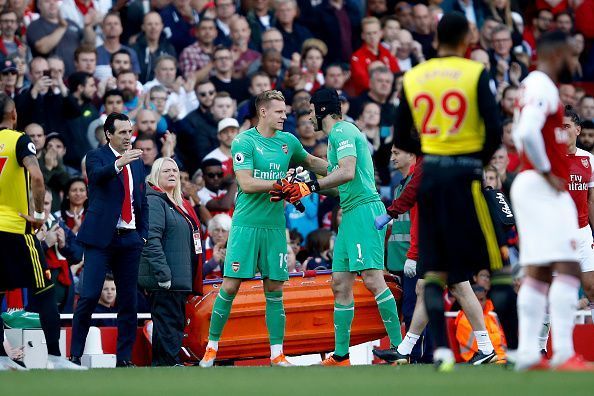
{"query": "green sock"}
{"type": "Point", "coordinates": [389, 313]}
{"type": "Point", "coordinates": [275, 317]}
{"type": "Point", "coordinates": [343, 317]}
{"type": "Point", "coordinates": [220, 313]}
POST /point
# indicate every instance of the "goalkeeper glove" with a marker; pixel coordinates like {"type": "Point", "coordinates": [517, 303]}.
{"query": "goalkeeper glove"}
{"type": "Point", "coordinates": [276, 194]}
{"type": "Point", "coordinates": [296, 191]}
{"type": "Point", "coordinates": [382, 220]}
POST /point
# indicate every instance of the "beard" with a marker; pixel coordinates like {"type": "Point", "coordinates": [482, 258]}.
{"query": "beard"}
{"type": "Point", "coordinates": [128, 95]}
{"type": "Point", "coordinates": [586, 147]}
{"type": "Point", "coordinates": [565, 75]}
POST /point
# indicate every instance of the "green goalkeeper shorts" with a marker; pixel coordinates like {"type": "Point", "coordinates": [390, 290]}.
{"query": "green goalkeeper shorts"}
{"type": "Point", "coordinates": [253, 249]}
{"type": "Point", "coordinates": [359, 246]}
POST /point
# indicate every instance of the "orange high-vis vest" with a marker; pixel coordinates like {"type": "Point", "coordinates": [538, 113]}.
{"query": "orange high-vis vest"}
{"type": "Point", "coordinates": [465, 334]}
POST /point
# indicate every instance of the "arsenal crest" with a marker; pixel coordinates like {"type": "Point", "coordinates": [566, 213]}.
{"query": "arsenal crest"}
{"type": "Point", "coordinates": [235, 266]}
{"type": "Point", "coordinates": [285, 149]}
{"type": "Point", "coordinates": [586, 162]}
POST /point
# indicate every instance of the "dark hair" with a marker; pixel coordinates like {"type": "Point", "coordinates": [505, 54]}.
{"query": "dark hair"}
{"type": "Point", "coordinates": [219, 48]}
{"type": "Point", "coordinates": [550, 41]}
{"type": "Point", "coordinates": [210, 162]}
{"type": "Point", "coordinates": [587, 124]}
{"type": "Point", "coordinates": [112, 92]}
{"type": "Point", "coordinates": [570, 112]}
{"type": "Point", "coordinates": [507, 89]}
{"type": "Point", "coordinates": [564, 13]}
{"type": "Point", "coordinates": [584, 98]}
{"type": "Point", "coordinates": [452, 29]}
{"type": "Point", "coordinates": [5, 101]}
{"type": "Point", "coordinates": [65, 205]}
{"type": "Point", "coordinates": [109, 125]}
{"type": "Point", "coordinates": [302, 113]}
{"type": "Point", "coordinates": [334, 64]}
{"type": "Point", "coordinates": [541, 10]}
{"type": "Point", "coordinates": [120, 52]}
{"type": "Point", "coordinates": [318, 241]}
{"type": "Point", "coordinates": [77, 79]}
{"type": "Point", "coordinates": [507, 121]}
{"type": "Point", "coordinates": [294, 234]}
{"type": "Point", "coordinates": [205, 19]}
{"type": "Point", "coordinates": [109, 277]}
{"type": "Point", "coordinates": [259, 73]}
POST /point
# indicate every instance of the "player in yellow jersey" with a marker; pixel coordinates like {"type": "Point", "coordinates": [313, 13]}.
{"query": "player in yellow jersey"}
{"type": "Point", "coordinates": [448, 100]}
{"type": "Point", "coordinates": [21, 258]}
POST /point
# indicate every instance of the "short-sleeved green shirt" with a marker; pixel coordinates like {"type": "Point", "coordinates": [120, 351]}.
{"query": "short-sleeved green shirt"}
{"type": "Point", "coordinates": [345, 140]}
{"type": "Point", "coordinates": [269, 159]}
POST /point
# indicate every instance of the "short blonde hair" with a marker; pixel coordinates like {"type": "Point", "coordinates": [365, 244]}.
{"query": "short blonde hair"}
{"type": "Point", "coordinates": [369, 21]}
{"type": "Point", "coordinates": [266, 97]}
{"type": "Point", "coordinates": [153, 178]}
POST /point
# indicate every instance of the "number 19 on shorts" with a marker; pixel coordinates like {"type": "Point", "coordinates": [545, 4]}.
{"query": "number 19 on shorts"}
{"type": "Point", "coordinates": [283, 257]}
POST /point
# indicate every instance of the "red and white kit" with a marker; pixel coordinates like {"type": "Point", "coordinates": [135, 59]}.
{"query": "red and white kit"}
{"type": "Point", "coordinates": [581, 180]}
{"type": "Point", "coordinates": [546, 219]}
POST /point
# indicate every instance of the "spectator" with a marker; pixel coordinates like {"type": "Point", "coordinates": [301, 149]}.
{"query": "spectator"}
{"type": "Point", "coordinates": [317, 245]}
{"type": "Point", "coordinates": [260, 17]}
{"type": "Point", "coordinates": [312, 56]}
{"type": "Point", "coordinates": [508, 142]}
{"type": "Point", "coordinates": [491, 178]}
{"type": "Point", "coordinates": [9, 42]}
{"type": "Point", "coordinates": [148, 146]}
{"type": "Point", "coordinates": [55, 174]}
{"type": "Point", "coordinates": [179, 18]}
{"type": "Point", "coordinates": [272, 66]}
{"type": "Point", "coordinates": [112, 32]}
{"type": "Point", "coordinates": [501, 11]}
{"type": "Point", "coordinates": [271, 39]}
{"type": "Point", "coordinates": [9, 78]}
{"type": "Point", "coordinates": [190, 190]}
{"type": "Point", "coordinates": [157, 100]}
{"type": "Point", "coordinates": [61, 250]}
{"type": "Point", "coordinates": [485, 33]}
{"type": "Point", "coordinates": [150, 45]}
{"type": "Point", "coordinates": [482, 56]}
{"type": "Point", "coordinates": [74, 203]}
{"type": "Point", "coordinates": [564, 22]}
{"type": "Point", "coordinates": [228, 128]}
{"type": "Point", "coordinates": [85, 59]}
{"type": "Point", "coordinates": [106, 303]}
{"type": "Point", "coordinates": [168, 260]}
{"type": "Point", "coordinates": [294, 34]}
{"type": "Point", "coordinates": [473, 9]}
{"type": "Point", "coordinates": [370, 52]}
{"type": "Point", "coordinates": [218, 194]}
{"type": "Point", "coordinates": [196, 133]}
{"type": "Point", "coordinates": [196, 59]}
{"type": "Point", "coordinates": [127, 83]}
{"type": "Point", "coordinates": [369, 123]}
{"type": "Point", "coordinates": [483, 279]}
{"type": "Point", "coordinates": [404, 15]}
{"type": "Point", "coordinates": [222, 77]}
{"type": "Point", "coordinates": [305, 131]}
{"type": "Point", "coordinates": [259, 82]}
{"type": "Point", "coordinates": [113, 102]}
{"type": "Point", "coordinates": [508, 100]}
{"type": "Point", "coordinates": [225, 10]}
{"type": "Point", "coordinates": [540, 24]}
{"type": "Point", "coordinates": [216, 246]}
{"type": "Point", "coordinates": [304, 222]}
{"type": "Point", "coordinates": [335, 77]}
{"type": "Point", "coordinates": [46, 102]}
{"type": "Point", "coordinates": [567, 95]}
{"type": "Point", "coordinates": [243, 56]}
{"type": "Point", "coordinates": [500, 161]}
{"type": "Point", "coordinates": [37, 136]}
{"type": "Point", "coordinates": [586, 136]}
{"type": "Point", "coordinates": [85, 12]}
{"type": "Point", "coordinates": [409, 52]}
{"type": "Point", "coordinates": [377, 8]}
{"type": "Point", "coordinates": [337, 24]}
{"type": "Point", "coordinates": [502, 59]}
{"type": "Point", "coordinates": [586, 108]}
{"type": "Point", "coordinates": [423, 32]}
{"type": "Point", "coordinates": [181, 99]}
{"type": "Point", "coordinates": [83, 89]}
{"type": "Point", "coordinates": [53, 35]}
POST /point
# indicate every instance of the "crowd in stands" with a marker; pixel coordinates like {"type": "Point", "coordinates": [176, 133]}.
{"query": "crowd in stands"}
{"type": "Point", "coordinates": [186, 72]}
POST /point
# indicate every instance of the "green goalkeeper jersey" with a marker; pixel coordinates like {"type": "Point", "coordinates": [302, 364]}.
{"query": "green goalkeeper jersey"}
{"type": "Point", "coordinates": [269, 159]}
{"type": "Point", "coordinates": [346, 140]}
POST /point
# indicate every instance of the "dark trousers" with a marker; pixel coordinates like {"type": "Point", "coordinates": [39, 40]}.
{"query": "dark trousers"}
{"type": "Point", "coordinates": [422, 352]}
{"type": "Point", "coordinates": [122, 256]}
{"type": "Point", "coordinates": [168, 314]}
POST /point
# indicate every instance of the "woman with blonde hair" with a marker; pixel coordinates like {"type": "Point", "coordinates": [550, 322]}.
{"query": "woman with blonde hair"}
{"type": "Point", "coordinates": [170, 259]}
{"type": "Point", "coordinates": [501, 11]}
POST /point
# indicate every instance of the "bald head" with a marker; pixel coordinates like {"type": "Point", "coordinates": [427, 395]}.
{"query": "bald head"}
{"type": "Point", "coordinates": [422, 19]}
{"type": "Point", "coordinates": [146, 122]}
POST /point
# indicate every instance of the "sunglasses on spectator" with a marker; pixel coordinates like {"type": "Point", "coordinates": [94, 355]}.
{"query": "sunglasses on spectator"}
{"type": "Point", "coordinates": [212, 175]}
{"type": "Point", "coordinates": [206, 93]}
{"type": "Point", "coordinates": [6, 73]}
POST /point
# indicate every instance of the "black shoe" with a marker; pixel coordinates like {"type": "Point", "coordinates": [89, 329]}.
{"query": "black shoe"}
{"type": "Point", "coordinates": [544, 353]}
{"type": "Point", "coordinates": [392, 356]}
{"type": "Point", "coordinates": [75, 360]}
{"type": "Point", "coordinates": [481, 358]}
{"type": "Point", "coordinates": [125, 363]}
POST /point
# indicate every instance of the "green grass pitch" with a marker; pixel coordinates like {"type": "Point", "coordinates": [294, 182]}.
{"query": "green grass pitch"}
{"type": "Point", "coordinates": [303, 381]}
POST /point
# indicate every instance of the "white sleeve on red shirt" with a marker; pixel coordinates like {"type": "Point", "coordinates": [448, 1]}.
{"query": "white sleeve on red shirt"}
{"type": "Point", "coordinates": [538, 98]}
{"type": "Point", "coordinates": [205, 195]}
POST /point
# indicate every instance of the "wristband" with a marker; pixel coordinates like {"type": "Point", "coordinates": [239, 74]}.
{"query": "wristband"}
{"type": "Point", "coordinates": [38, 215]}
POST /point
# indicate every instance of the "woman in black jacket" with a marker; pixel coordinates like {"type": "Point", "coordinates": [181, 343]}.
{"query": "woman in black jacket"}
{"type": "Point", "coordinates": [168, 260]}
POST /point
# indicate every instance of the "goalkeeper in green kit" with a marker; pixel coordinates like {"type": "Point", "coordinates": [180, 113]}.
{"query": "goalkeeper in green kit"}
{"type": "Point", "coordinates": [359, 246]}
{"type": "Point", "coordinates": [257, 239]}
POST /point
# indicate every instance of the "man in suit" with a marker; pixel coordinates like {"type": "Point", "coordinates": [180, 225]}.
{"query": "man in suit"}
{"type": "Point", "coordinates": [113, 233]}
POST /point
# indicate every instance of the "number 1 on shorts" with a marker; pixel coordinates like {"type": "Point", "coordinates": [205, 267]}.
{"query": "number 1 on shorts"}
{"type": "Point", "coordinates": [359, 250]}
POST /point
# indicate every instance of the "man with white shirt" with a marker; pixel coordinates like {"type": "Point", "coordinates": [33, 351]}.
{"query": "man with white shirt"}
{"type": "Point", "coordinates": [182, 100]}
{"type": "Point", "coordinates": [219, 191]}
{"type": "Point", "coordinates": [228, 128]}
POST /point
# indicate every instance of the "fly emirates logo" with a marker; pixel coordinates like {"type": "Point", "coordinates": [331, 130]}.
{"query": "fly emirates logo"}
{"type": "Point", "coordinates": [273, 173]}
{"type": "Point", "coordinates": [576, 183]}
